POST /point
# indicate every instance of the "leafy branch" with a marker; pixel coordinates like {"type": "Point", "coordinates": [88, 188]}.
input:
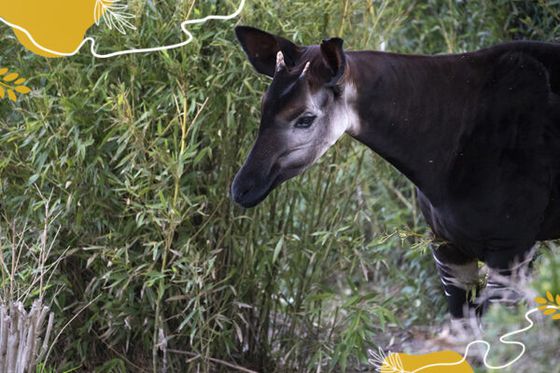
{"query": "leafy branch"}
{"type": "Point", "coordinates": [549, 305]}
{"type": "Point", "coordinates": [11, 83]}
{"type": "Point", "coordinates": [114, 14]}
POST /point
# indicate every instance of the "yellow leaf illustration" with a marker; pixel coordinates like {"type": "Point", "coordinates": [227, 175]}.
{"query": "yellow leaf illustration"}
{"type": "Point", "coordinates": [548, 306]}
{"type": "Point", "coordinates": [12, 95]}
{"type": "Point", "coordinates": [11, 83]}
{"type": "Point", "coordinates": [23, 89]}
{"type": "Point", "coordinates": [540, 300]}
{"type": "Point", "coordinates": [11, 77]}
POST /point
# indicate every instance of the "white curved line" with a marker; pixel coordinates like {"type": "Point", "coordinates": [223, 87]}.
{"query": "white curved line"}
{"type": "Point", "coordinates": [129, 51]}
{"type": "Point", "coordinates": [502, 339]}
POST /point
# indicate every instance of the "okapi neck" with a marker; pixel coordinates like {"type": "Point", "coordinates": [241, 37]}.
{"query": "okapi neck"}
{"type": "Point", "coordinates": [412, 110]}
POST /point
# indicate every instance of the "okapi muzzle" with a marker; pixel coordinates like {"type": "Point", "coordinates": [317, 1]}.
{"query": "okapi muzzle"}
{"type": "Point", "coordinates": [306, 108]}
{"type": "Point", "coordinates": [269, 163]}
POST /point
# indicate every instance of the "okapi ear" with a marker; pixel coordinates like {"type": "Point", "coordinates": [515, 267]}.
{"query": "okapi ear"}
{"type": "Point", "coordinates": [261, 49]}
{"type": "Point", "coordinates": [334, 59]}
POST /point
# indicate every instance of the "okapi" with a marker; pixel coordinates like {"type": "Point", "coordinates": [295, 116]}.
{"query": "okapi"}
{"type": "Point", "coordinates": [478, 134]}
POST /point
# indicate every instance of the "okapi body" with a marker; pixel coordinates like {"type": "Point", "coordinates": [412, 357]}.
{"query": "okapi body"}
{"type": "Point", "coordinates": [477, 133]}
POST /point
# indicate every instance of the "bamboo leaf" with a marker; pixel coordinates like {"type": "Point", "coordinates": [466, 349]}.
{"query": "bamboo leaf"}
{"type": "Point", "coordinates": [3, 71]}
{"type": "Point", "coordinates": [549, 311]}
{"type": "Point", "coordinates": [556, 317]}
{"type": "Point", "coordinates": [549, 296]}
{"type": "Point", "coordinates": [277, 249]}
{"type": "Point", "coordinates": [558, 299]}
{"type": "Point", "coordinates": [2, 92]}
{"type": "Point", "coordinates": [20, 81]}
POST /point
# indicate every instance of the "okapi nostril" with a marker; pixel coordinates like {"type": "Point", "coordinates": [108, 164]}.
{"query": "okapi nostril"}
{"type": "Point", "coordinates": [241, 193]}
{"type": "Point", "coordinates": [238, 191]}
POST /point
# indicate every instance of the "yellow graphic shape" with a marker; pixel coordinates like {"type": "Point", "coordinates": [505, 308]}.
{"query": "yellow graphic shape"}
{"type": "Point", "coordinates": [11, 84]}
{"type": "Point", "coordinates": [425, 363]}
{"type": "Point", "coordinates": [58, 25]}
{"type": "Point", "coordinates": [550, 306]}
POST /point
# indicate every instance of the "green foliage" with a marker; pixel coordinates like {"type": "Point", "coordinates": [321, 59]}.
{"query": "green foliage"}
{"type": "Point", "coordinates": [548, 272]}
{"type": "Point", "coordinates": [135, 155]}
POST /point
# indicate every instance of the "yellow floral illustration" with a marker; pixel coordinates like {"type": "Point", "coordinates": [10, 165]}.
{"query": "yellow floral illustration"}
{"type": "Point", "coordinates": [550, 305]}
{"type": "Point", "coordinates": [57, 28]}
{"type": "Point", "coordinates": [113, 12]}
{"type": "Point", "coordinates": [11, 84]}
{"type": "Point", "coordinates": [56, 25]}
{"type": "Point", "coordinates": [433, 362]}
{"type": "Point", "coordinates": [413, 363]}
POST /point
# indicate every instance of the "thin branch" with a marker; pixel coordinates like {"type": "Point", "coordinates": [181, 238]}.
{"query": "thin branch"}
{"type": "Point", "coordinates": [212, 359]}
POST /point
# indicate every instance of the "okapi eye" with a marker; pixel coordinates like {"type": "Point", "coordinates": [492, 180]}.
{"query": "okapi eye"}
{"type": "Point", "coordinates": [305, 121]}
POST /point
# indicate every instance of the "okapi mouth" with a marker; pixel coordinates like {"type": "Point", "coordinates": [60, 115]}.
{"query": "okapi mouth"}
{"type": "Point", "coordinates": [248, 192]}
{"type": "Point", "coordinates": [249, 198]}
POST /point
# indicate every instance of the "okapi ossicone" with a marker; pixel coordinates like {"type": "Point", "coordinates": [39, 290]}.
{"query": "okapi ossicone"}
{"type": "Point", "coordinates": [477, 133]}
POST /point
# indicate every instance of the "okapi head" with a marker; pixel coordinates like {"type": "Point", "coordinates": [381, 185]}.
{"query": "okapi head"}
{"type": "Point", "coordinates": [308, 106]}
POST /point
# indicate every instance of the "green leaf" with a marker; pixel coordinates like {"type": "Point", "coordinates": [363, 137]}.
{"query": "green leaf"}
{"type": "Point", "coordinates": [277, 249]}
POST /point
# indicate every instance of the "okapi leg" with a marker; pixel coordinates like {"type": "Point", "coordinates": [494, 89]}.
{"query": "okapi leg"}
{"type": "Point", "coordinates": [459, 275]}
{"type": "Point", "coordinates": [503, 275]}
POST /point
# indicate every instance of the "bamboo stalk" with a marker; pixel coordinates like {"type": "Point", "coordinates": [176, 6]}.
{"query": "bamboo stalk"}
{"type": "Point", "coordinates": [3, 335]}
{"type": "Point", "coordinates": [20, 336]}
{"type": "Point", "coordinates": [45, 346]}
